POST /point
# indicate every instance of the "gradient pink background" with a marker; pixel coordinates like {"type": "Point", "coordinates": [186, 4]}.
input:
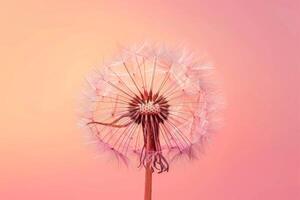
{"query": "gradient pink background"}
{"type": "Point", "coordinates": [47, 48]}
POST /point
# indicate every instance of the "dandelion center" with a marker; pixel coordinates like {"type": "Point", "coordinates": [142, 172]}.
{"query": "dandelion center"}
{"type": "Point", "coordinates": [145, 107]}
{"type": "Point", "coordinates": [149, 108]}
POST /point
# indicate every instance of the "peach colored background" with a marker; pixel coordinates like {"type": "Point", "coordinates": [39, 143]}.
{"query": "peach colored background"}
{"type": "Point", "coordinates": [48, 47]}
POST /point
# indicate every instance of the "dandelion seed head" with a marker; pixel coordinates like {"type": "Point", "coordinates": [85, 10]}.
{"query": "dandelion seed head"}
{"type": "Point", "coordinates": [152, 102]}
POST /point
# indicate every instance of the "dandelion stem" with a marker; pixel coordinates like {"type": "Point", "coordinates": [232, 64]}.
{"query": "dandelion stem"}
{"type": "Point", "coordinates": [148, 167]}
{"type": "Point", "coordinates": [148, 182]}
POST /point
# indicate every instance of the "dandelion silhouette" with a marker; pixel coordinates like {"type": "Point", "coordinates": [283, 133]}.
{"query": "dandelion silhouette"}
{"type": "Point", "coordinates": [152, 103]}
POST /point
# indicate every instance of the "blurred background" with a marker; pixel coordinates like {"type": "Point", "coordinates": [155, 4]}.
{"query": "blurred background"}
{"type": "Point", "coordinates": [48, 47]}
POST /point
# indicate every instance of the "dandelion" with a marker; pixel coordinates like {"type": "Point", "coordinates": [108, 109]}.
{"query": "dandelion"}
{"type": "Point", "coordinates": [151, 103]}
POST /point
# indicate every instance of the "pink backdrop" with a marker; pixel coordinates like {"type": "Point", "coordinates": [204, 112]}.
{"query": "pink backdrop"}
{"type": "Point", "coordinates": [47, 48]}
